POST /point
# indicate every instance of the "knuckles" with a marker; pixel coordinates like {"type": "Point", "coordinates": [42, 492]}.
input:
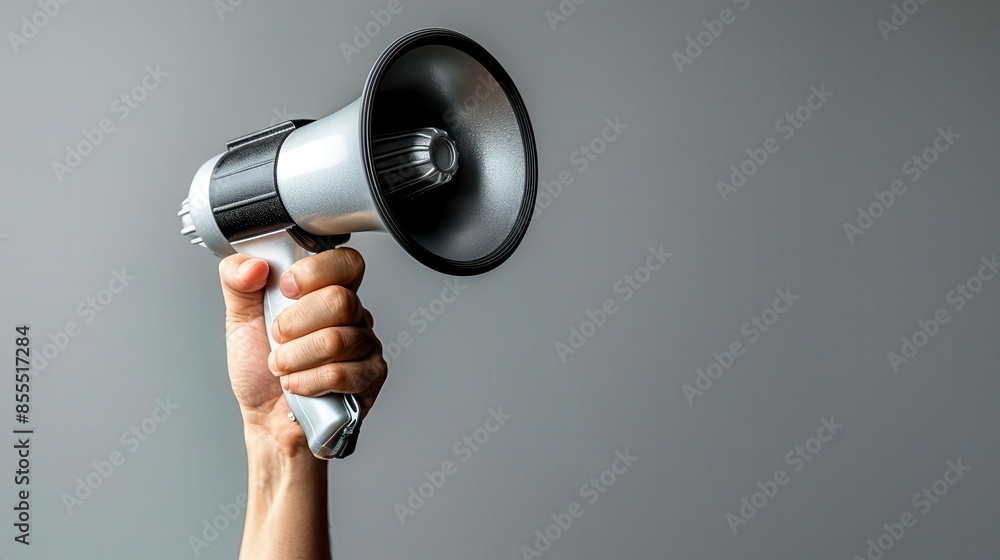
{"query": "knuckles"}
{"type": "Point", "coordinates": [336, 344]}
{"type": "Point", "coordinates": [379, 369]}
{"type": "Point", "coordinates": [332, 377]}
{"type": "Point", "coordinates": [307, 269]}
{"type": "Point", "coordinates": [339, 303]}
{"type": "Point", "coordinates": [356, 263]}
{"type": "Point", "coordinates": [336, 377]}
{"type": "Point", "coordinates": [336, 302]}
{"type": "Point", "coordinates": [330, 343]}
{"type": "Point", "coordinates": [313, 269]}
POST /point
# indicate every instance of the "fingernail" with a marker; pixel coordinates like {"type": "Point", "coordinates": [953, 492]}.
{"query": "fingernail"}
{"type": "Point", "coordinates": [288, 285]}
{"type": "Point", "coordinates": [284, 382]}
{"type": "Point", "coordinates": [272, 363]}
{"type": "Point", "coordinates": [276, 331]}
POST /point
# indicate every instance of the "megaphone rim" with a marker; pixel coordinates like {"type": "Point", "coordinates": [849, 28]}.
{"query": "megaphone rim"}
{"type": "Point", "coordinates": [448, 37]}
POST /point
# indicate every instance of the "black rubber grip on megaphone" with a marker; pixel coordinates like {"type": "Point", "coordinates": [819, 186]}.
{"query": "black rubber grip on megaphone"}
{"type": "Point", "coordinates": [243, 191]}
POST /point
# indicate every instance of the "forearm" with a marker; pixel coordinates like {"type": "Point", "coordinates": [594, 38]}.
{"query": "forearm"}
{"type": "Point", "coordinates": [287, 503]}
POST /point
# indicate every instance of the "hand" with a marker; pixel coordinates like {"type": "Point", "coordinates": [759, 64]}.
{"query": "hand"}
{"type": "Point", "coordinates": [327, 342]}
{"type": "Point", "coordinates": [327, 345]}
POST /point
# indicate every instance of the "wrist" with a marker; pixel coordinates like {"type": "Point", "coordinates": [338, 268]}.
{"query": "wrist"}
{"type": "Point", "coordinates": [283, 452]}
{"type": "Point", "coordinates": [276, 469]}
{"type": "Point", "coordinates": [286, 491]}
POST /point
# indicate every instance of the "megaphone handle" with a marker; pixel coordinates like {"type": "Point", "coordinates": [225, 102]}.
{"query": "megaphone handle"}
{"type": "Point", "coordinates": [329, 421]}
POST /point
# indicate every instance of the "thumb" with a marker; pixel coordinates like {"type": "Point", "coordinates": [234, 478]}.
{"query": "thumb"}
{"type": "Point", "coordinates": [243, 279]}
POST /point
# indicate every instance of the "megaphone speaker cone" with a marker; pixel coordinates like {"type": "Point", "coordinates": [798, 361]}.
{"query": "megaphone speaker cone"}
{"type": "Point", "coordinates": [437, 79]}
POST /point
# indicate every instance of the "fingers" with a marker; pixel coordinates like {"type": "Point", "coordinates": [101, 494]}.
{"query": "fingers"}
{"type": "Point", "coordinates": [326, 340]}
{"type": "Point", "coordinates": [330, 306]}
{"type": "Point", "coordinates": [343, 267]}
{"type": "Point", "coordinates": [332, 344]}
{"type": "Point", "coordinates": [243, 279]}
{"type": "Point", "coordinates": [340, 377]}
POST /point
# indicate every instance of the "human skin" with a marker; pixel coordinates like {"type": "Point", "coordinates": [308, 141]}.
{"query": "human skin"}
{"type": "Point", "coordinates": [327, 345]}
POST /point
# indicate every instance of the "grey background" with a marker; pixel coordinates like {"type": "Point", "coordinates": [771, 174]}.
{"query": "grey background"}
{"type": "Point", "coordinates": [495, 346]}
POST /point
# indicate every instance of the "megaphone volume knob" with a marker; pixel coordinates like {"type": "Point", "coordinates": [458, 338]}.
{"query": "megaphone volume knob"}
{"type": "Point", "coordinates": [412, 163]}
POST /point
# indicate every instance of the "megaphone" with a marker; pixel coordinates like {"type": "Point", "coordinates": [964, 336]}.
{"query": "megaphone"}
{"type": "Point", "coordinates": [438, 152]}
